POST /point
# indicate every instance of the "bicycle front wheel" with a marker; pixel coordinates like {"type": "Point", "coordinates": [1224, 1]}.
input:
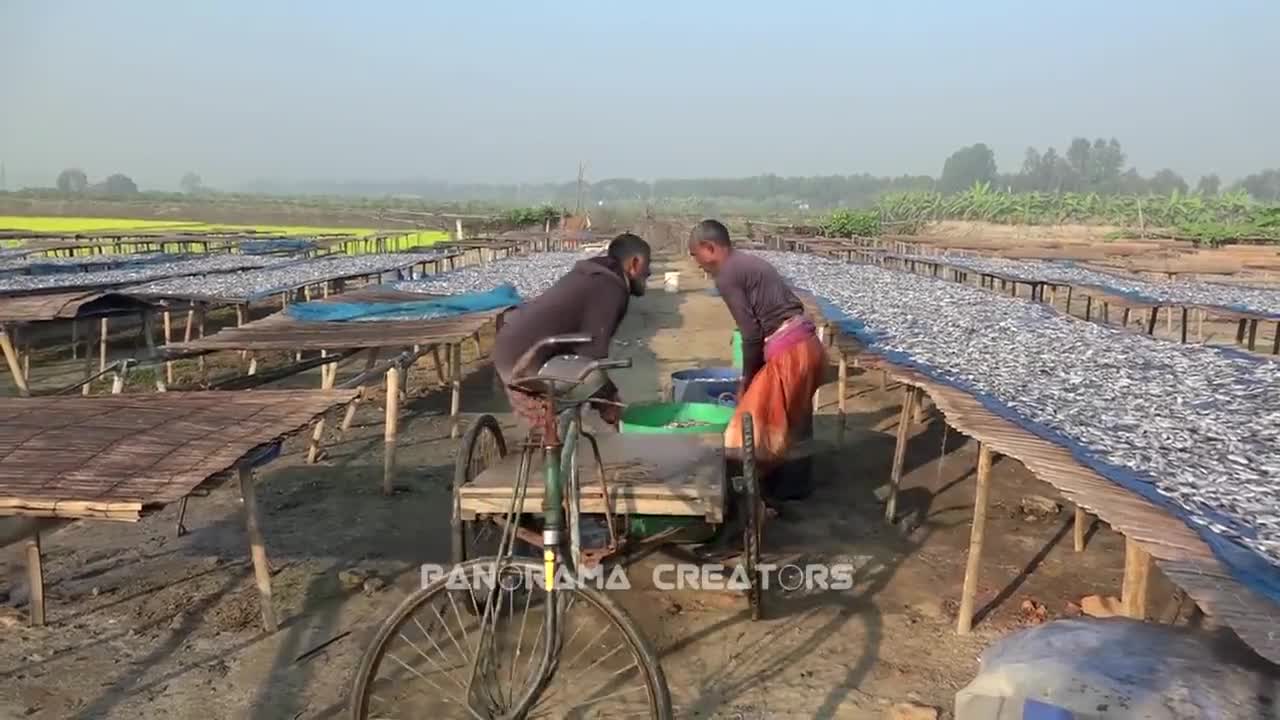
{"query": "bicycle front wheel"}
{"type": "Point", "coordinates": [435, 657]}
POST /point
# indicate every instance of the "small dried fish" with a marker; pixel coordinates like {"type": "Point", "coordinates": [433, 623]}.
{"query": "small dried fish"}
{"type": "Point", "coordinates": [529, 274]}
{"type": "Point", "coordinates": [1198, 423]}
{"type": "Point", "coordinates": [1241, 298]}
{"type": "Point", "coordinates": [252, 284]}
{"type": "Point", "coordinates": [138, 273]}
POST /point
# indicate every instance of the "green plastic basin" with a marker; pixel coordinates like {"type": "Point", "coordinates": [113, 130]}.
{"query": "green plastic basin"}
{"type": "Point", "coordinates": [676, 418]}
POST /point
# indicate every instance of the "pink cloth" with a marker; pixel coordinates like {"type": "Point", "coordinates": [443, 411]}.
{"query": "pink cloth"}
{"type": "Point", "coordinates": [792, 333]}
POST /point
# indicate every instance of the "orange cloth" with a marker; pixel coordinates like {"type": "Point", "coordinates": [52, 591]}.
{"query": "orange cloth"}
{"type": "Point", "coordinates": [780, 401]}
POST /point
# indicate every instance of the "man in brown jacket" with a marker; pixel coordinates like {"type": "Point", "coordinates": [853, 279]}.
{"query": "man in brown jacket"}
{"type": "Point", "coordinates": [591, 299]}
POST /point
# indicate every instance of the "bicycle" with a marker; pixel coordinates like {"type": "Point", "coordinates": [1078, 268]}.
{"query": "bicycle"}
{"type": "Point", "coordinates": [476, 591]}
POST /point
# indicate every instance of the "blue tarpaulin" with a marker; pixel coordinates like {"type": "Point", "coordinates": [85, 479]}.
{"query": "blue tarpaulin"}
{"type": "Point", "coordinates": [495, 299]}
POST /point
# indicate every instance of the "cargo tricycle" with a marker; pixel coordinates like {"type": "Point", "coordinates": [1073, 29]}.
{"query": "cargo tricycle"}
{"type": "Point", "coordinates": [520, 625]}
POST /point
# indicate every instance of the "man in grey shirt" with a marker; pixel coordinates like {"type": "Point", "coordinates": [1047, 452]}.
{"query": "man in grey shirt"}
{"type": "Point", "coordinates": [782, 360]}
{"type": "Point", "coordinates": [591, 299]}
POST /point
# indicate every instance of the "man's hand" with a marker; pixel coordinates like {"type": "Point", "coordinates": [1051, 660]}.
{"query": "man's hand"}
{"type": "Point", "coordinates": [611, 414]}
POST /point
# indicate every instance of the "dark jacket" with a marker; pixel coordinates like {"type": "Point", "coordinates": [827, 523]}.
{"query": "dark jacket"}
{"type": "Point", "coordinates": [591, 299]}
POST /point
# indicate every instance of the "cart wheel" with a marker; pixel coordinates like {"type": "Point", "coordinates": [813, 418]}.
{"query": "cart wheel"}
{"type": "Point", "coordinates": [482, 447]}
{"type": "Point", "coordinates": [752, 517]}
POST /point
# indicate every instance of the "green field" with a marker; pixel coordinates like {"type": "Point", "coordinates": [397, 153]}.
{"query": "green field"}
{"type": "Point", "coordinates": [358, 246]}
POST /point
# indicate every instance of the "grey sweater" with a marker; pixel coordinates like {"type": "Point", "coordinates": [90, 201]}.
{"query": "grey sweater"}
{"type": "Point", "coordinates": [591, 299]}
{"type": "Point", "coordinates": [759, 300]}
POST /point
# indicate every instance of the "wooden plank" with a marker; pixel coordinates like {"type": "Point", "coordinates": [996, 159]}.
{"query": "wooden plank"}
{"type": "Point", "coordinates": [665, 474]}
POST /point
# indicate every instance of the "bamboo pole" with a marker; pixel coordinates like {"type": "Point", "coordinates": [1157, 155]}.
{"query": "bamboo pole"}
{"type": "Point", "coordinates": [257, 548]}
{"type": "Point", "coordinates": [842, 386]}
{"type": "Point", "coordinates": [103, 329]}
{"type": "Point", "coordinates": [455, 398]}
{"type": "Point", "coordinates": [900, 452]}
{"type": "Point", "coordinates": [1137, 572]}
{"type": "Point", "coordinates": [317, 435]}
{"type": "Point", "coordinates": [168, 339]}
{"type": "Point", "coordinates": [1081, 522]}
{"type": "Point", "coordinates": [35, 577]}
{"type": "Point", "coordinates": [817, 391]}
{"type": "Point", "coordinates": [11, 358]}
{"type": "Point", "coordinates": [392, 428]}
{"type": "Point", "coordinates": [75, 339]}
{"type": "Point", "coordinates": [351, 408]}
{"type": "Point", "coordinates": [977, 534]}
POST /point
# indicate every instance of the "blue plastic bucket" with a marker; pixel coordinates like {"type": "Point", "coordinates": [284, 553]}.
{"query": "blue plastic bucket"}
{"type": "Point", "coordinates": [706, 385]}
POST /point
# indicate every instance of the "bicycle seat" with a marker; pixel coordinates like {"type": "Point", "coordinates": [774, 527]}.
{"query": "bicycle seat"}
{"type": "Point", "coordinates": [559, 371]}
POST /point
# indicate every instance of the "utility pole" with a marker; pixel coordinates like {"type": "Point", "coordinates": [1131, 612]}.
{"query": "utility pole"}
{"type": "Point", "coordinates": [4, 184]}
{"type": "Point", "coordinates": [582, 171]}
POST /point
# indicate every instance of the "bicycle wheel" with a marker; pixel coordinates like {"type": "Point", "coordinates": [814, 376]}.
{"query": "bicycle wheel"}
{"type": "Point", "coordinates": [428, 659]}
{"type": "Point", "coordinates": [482, 447]}
{"type": "Point", "coordinates": [752, 517]}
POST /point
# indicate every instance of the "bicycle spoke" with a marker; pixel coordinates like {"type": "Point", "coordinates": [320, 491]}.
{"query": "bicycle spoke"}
{"type": "Point", "coordinates": [428, 657]}
{"type": "Point", "coordinates": [524, 619]}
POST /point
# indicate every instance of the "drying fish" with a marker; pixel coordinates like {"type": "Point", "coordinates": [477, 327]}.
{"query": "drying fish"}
{"type": "Point", "coordinates": [1242, 298]}
{"type": "Point", "coordinates": [253, 284]}
{"type": "Point", "coordinates": [137, 273]}
{"type": "Point", "coordinates": [529, 274]}
{"type": "Point", "coordinates": [1200, 424]}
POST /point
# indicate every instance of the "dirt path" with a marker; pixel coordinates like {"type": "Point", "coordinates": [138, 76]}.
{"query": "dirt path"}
{"type": "Point", "coordinates": [146, 625]}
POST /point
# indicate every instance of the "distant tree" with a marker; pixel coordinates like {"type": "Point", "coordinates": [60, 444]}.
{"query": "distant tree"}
{"type": "Point", "coordinates": [1132, 183]}
{"type": "Point", "coordinates": [1106, 159]}
{"type": "Point", "coordinates": [1209, 185]}
{"type": "Point", "coordinates": [1263, 186]}
{"type": "Point", "coordinates": [1167, 182]}
{"type": "Point", "coordinates": [119, 184]}
{"type": "Point", "coordinates": [966, 166]}
{"type": "Point", "coordinates": [191, 183]}
{"type": "Point", "coordinates": [72, 181]}
{"type": "Point", "coordinates": [1079, 158]}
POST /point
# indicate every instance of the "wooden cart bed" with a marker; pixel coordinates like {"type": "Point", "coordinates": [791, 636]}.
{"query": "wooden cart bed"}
{"type": "Point", "coordinates": [680, 475]}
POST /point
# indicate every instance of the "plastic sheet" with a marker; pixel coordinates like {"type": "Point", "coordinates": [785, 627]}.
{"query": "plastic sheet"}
{"type": "Point", "coordinates": [1117, 668]}
{"type": "Point", "coordinates": [495, 299]}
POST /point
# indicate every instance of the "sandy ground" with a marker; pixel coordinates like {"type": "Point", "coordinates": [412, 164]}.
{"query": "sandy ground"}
{"type": "Point", "coordinates": [144, 624]}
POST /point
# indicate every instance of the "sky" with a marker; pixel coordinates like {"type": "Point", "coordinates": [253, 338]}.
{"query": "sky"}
{"type": "Point", "coordinates": [520, 91]}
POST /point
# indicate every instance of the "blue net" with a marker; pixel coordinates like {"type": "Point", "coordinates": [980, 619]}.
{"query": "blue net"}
{"type": "Point", "coordinates": [428, 309]}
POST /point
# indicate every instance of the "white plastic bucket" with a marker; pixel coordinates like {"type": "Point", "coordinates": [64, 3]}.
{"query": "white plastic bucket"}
{"type": "Point", "coordinates": [671, 282]}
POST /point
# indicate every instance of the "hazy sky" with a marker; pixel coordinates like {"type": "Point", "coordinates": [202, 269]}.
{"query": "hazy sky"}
{"type": "Point", "coordinates": [521, 90]}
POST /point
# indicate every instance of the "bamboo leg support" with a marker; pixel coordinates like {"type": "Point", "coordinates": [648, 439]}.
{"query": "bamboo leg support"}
{"type": "Point", "coordinates": [1137, 572]}
{"type": "Point", "coordinates": [168, 339]}
{"type": "Point", "coordinates": [440, 372]}
{"type": "Point", "coordinates": [900, 451]}
{"type": "Point", "coordinates": [455, 398]}
{"type": "Point", "coordinates": [392, 429]}
{"type": "Point", "coordinates": [257, 548]}
{"type": "Point", "coordinates": [350, 415]}
{"type": "Point", "coordinates": [1081, 523]}
{"type": "Point", "coordinates": [35, 578]}
{"type": "Point", "coordinates": [15, 369]}
{"type": "Point", "coordinates": [842, 386]}
{"type": "Point", "coordinates": [976, 536]}
{"type": "Point", "coordinates": [103, 329]}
